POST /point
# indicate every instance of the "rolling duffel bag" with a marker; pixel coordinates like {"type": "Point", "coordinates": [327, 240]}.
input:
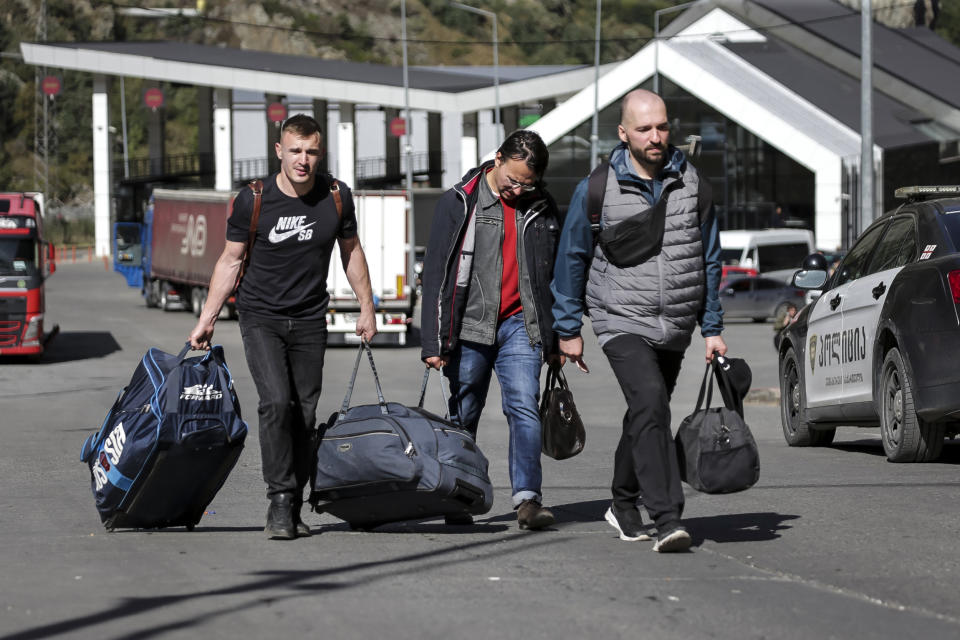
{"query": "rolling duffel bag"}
{"type": "Point", "coordinates": [715, 449]}
{"type": "Point", "coordinates": [168, 443]}
{"type": "Point", "coordinates": [387, 462]}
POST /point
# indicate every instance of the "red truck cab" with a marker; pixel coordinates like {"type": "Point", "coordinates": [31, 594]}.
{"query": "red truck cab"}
{"type": "Point", "coordinates": [26, 260]}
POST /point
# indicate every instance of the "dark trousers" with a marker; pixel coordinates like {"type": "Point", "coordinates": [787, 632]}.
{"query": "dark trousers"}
{"type": "Point", "coordinates": [285, 358]}
{"type": "Point", "coordinates": [645, 463]}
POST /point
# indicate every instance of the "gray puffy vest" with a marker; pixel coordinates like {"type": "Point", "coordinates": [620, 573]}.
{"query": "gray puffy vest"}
{"type": "Point", "coordinates": [658, 299]}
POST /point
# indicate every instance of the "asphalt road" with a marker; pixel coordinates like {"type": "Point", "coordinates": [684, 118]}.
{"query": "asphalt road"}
{"type": "Point", "coordinates": [831, 543]}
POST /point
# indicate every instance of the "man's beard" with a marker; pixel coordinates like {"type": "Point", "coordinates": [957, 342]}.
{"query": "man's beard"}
{"type": "Point", "coordinates": [642, 155]}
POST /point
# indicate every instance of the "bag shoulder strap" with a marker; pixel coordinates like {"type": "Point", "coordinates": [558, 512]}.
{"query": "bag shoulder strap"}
{"type": "Point", "coordinates": [335, 192]}
{"type": "Point", "coordinates": [256, 186]}
{"type": "Point", "coordinates": [596, 189]}
{"type": "Point", "coordinates": [704, 197]}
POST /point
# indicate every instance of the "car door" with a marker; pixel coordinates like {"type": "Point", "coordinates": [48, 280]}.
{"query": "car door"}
{"type": "Point", "coordinates": [862, 307]}
{"type": "Point", "coordinates": [735, 298]}
{"type": "Point", "coordinates": [823, 366]}
{"type": "Point", "coordinates": [767, 294]}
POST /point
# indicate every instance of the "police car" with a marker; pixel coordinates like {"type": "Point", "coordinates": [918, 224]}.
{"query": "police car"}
{"type": "Point", "coordinates": [879, 347]}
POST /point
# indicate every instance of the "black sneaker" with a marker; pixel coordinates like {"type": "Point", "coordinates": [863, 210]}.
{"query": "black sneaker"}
{"type": "Point", "coordinates": [674, 538]}
{"type": "Point", "coordinates": [301, 528]}
{"type": "Point", "coordinates": [628, 522]}
{"type": "Point", "coordinates": [280, 524]}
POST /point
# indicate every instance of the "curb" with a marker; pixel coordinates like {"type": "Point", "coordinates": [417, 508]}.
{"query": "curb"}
{"type": "Point", "coordinates": [763, 395]}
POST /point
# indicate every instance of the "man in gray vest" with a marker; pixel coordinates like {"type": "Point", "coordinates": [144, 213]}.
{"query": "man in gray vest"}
{"type": "Point", "coordinates": [644, 313]}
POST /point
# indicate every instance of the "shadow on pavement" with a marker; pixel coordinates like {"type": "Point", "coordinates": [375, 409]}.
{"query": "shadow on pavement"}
{"type": "Point", "coordinates": [738, 527]}
{"type": "Point", "coordinates": [420, 527]}
{"type": "Point", "coordinates": [79, 345]}
{"type": "Point", "coordinates": [874, 447]}
{"type": "Point", "coordinates": [264, 589]}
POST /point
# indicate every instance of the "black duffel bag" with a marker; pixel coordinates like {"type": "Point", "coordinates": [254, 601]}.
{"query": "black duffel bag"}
{"type": "Point", "coordinates": [715, 449]}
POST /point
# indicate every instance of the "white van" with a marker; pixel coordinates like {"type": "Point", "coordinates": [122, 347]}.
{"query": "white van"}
{"type": "Point", "coordinates": [766, 250]}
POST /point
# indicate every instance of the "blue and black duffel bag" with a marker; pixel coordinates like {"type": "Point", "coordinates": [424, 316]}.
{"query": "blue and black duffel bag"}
{"type": "Point", "coordinates": [169, 442]}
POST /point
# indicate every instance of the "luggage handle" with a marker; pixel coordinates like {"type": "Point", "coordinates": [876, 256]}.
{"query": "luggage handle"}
{"type": "Point", "coordinates": [555, 377]}
{"type": "Point", "coordinates": [705, 387]}
{"type": "Point", "coordinates": [173, 380]}
{"type": "Point", "coordinates": [443, 394]}
{"type": "Point", "coordinates": [364, 345]}
{"type": "Point", "coordinates": [722, 382]}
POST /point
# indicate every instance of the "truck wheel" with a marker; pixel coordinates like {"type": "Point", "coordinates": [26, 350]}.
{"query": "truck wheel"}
{"type": "Point", "coordinates": [906, 436]}
{"type": "Point", "coordinates": [197, 298]}
{"type": "Point", "coordinates": [793, 403]}
{"type": "Point", "coordinates": [165, 303]}
{"type": "Point", "coordinates": [152, 296]}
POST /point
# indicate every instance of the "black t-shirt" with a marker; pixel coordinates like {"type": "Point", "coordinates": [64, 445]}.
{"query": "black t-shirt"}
{"type": "Point", "coordinates": [287, 275]}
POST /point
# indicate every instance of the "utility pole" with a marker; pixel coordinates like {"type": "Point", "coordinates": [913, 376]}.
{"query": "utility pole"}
{"type": "Point", "coordinates": [408, 153]}
{"type": "Point", "coordinates": [594, 125]}
{"type": "Point", "coordinates": [866, 115]}
{"type": "Point", "coordinates": [41, 173]}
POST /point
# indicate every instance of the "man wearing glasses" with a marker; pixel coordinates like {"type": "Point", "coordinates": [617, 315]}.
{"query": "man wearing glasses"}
{"type": "Point", "coordinates": [487, 303]}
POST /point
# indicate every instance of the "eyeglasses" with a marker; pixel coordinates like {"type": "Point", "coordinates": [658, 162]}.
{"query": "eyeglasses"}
{"type": "Point", "coordinates": [526, 188]}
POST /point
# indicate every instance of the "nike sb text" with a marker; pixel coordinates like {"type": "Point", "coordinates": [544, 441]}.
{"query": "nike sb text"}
{"type": "Point", "coordinates": [288, 226]}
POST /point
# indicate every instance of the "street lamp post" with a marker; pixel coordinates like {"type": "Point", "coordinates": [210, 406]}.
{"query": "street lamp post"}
{"type": "Point", "coordinates": [496, 59]}
{"type": "Point", "coordinates": [408, 152]}
{"type": "Point", "coordinates": [866, 116]}
{"type": "Point", "coordinates": [595, 126]}
{"type": "Point", "coordinates": [656, 41]}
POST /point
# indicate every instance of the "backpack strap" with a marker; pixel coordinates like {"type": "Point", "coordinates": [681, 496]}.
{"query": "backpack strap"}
{"type": "Point", "coordinates": [704, 197]}
{"type": "Point", "coordinates": [257, 187]}
{"type": "Point", "coordinates": [596, 189]}
{"type": "Point", "coordinates": [335, 192]}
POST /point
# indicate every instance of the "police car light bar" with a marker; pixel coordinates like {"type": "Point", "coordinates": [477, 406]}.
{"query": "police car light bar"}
{"type": "Point", "coordinates": [930, 191]}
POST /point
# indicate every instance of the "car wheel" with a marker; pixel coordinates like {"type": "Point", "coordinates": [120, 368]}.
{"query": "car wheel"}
{"type": "Point", "coordinates": [906, 436]}
{"type": "Point", "coordinates": [793, 404]}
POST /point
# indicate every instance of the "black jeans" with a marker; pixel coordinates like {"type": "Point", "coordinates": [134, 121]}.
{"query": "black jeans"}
{"type": "Point", "coordinates": [645, 463]}
{"type": "Point", "coordinates": [285, 358]}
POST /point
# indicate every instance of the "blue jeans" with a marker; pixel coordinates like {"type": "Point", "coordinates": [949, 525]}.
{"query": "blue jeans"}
{"type": "Point", "coordinates": [517, 365]}
{"type": "Point", "coordinates": [285, 358]}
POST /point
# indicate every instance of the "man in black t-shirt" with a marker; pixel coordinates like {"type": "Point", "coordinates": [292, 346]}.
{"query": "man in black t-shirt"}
{"type": "Point", "coordinates": [282, 303]}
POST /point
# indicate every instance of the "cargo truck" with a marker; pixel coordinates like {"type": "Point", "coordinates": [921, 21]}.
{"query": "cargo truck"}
{"type": "Point", "coordinates": [170, 256]}
{"type": "Point", "coordinates": [26, 261]}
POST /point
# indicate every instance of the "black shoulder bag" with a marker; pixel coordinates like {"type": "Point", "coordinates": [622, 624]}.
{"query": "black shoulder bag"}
{"type": "Point", "coordinates": [563, 432]}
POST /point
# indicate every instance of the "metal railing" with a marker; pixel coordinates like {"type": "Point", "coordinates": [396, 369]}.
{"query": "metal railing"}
{"type": "Point", "coordinates": [199, 164]}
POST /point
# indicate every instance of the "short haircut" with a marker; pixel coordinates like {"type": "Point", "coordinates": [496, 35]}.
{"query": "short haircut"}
{"type": "Point", "coordinates": [301, 125]}
{"type": "Point", "coordinates": [527, 146]}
